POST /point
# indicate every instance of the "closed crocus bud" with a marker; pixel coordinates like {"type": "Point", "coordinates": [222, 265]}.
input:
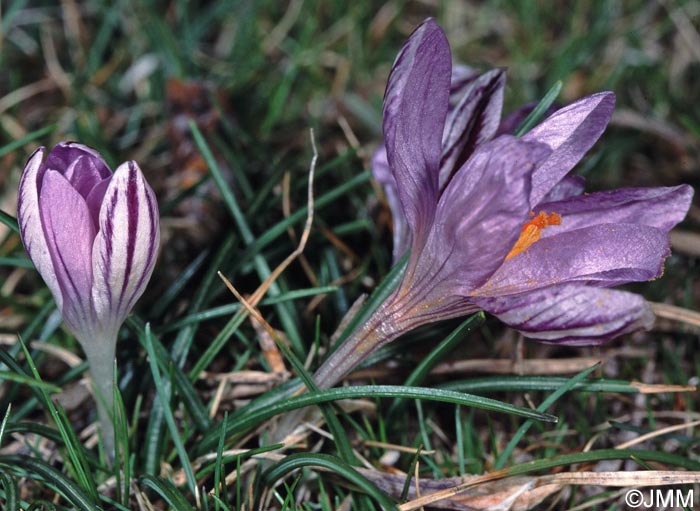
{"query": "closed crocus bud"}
{"type": "Point", "coordinates": [93, 236]}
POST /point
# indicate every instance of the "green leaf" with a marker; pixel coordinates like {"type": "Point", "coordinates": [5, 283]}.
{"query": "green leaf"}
{"type": "Point", "coordinates": [338, 467]}
{"type": "Point", "coordinates": [169, 418]}
{"type": "Point", "coordinates": [551, 399]}
{"type": "Point", "coordinates": [15, 144]}
{"type": "Point", "coordinates": [9, 221]}
{"type": "Point", "coordinates": [256, 416]}
{"type": "Point", "coordinates": [40, 470]}
{"type": "Point", "coordinates": [167, 491]}
{"type": "Point", "coordinates": [11, 491]}
{"type": "Point", "coordinates": [534, 116]}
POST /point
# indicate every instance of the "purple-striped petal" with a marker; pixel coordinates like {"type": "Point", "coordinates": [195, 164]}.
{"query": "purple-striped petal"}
{"type": "Point", "coordinates": [415, 106]}
{"type": "Point", "coordinates": [461, 80]}
{"type": "Point", "coordinates": [69, 234]}
{"type": "Point", "coordinates": [478, 217]}
{"type": "Point", "coordinates": [126, 246]}
{"type": "Point", "coordinates": [30, 225]}
{"type": "Point", "coordinates": [656, 207]}
{"type": "Point", "coordinates": [570, 132]}
{"type": "Point", "coordinates": [572, 314]}
{"type": "Point", "coordinates": [601, 255]}
{"type": "Point", "coordinates": [473, 121]}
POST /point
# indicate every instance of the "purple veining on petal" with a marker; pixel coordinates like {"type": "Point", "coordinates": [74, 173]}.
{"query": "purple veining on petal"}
{"type": "Point", "coordinates": [570, 132]}
{"type": "Point", "coordinates": [572, 314]}
{"type": "Point", "coordinates": [69, 234]}
{"type": "Point", "coordinates": [471, 122]}
{"type": "Point", "coordinates": [608, 253]}
{"type": "Point", "coordinates": [126, 246]}
{"type": "Point", "coordinates": [415, 107]}
{"type": "Point", "coordinates": [491, 192]}
{"type": "Point", "coordinates": [655, 207]}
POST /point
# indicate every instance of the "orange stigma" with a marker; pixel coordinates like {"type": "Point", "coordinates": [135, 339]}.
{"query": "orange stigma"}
{"type": "Point", "coordinates": [532, 230]}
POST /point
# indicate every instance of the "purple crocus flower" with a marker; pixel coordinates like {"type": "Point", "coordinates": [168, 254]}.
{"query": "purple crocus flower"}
{"type": "Point", "coordinates": [493, 222]}
{"type": "Point", "coordinates": [93, 236]}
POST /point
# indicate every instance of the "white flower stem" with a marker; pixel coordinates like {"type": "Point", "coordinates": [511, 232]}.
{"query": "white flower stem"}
{"type": "Point", "coordinates": [100, 355]}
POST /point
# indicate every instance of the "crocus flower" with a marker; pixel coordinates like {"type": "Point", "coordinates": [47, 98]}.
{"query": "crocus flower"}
{"type": "Point", "coordinates": [93, 236]}
{"type": "Point", "coordinates": [493, 222]}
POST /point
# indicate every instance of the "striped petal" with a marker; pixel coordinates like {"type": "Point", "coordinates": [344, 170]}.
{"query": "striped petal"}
{"type": "Point", "coordinates": [570, 132]}
{"type": "Point", "coordinates": [126, 246]}
{"type": "Point", "coordinates": [415, 106]}
{"type": "Point", "coordinates": [69, 234]}
{"type": "Point", "coordinates": [660, 207]}
{"type": "Point", "coordinates": [602, 255]}
{"type": "Point", "coordinates": [473, 121]}
{"type": "Point", "coordinates": [30, 226]}
{"type": "Point", "coordinates": [572, 314]}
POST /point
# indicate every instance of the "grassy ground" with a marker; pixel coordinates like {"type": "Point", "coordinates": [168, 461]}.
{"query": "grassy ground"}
{"type": "Point", "coordinates": [254, 76]}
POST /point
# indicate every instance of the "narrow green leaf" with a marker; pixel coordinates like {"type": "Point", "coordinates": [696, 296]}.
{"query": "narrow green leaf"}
{"type": "Point", "coordinates": [334, 427]}
{"type": "Point", "coordinates": [551, 399]}
{"type": "Point", "coordinates": [15, 144]}
{"type": "Point", "coordinates": [440, 352]}
{"type": "Point", "coordinates": [161, 305]}
{"type": "Point", "coordinates": [534, 116]}
{"type": "Point", "coordinates": [17, 262]}
{"type": "Point", "coordinates": [76, 455]}
{"type": "Point", "coordinates": [258, 415]}
{"type": "Point", "coordinates": [338, 467]}
{"type": "Point", "coordinates": [40, 470]}
{"type": "Point", "coordinates": [9, 221]}
{"type": "Point", "coordinates": [259, 261]}
{"type": "Point", "coordinates": [24, 380]}
{"type": "Point", "coordinates": [504, 383]}
{"type": "Point", "coordinates": [169, 418]}
{"type": "Point", "coordinates": [167, 491]}
{"type": "Point", "coordinates": [9, 486]}
{"type": "Point", "coordinates": [602, 455]}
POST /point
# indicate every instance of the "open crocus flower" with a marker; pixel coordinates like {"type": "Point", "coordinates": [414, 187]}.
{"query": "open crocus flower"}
{"type": "Point", "coordinates": [493, 222]}
{"type": "Point", "coordinates": [93, 236]}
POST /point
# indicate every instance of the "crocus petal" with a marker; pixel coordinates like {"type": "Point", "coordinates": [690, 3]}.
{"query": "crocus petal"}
{"type": "Point", "coordinates": [461, 80]}
{"type": "Point", "coordinates": [69, 234]}
{"type": "Point", "coordinates": [65, 153]}
{"type": "Point", "coordinates": [570, 186]}
{"type": "Point", "coordinates": [490, 195]}
{"type": "Point", "coordinates": [382, 173]}
{"type": "Point", "coordinates": [126, 246]}
{"type": "Point", "coordinates": [83, 174]}
{"type": "Point", "coordinates": [471, 122]}
{"type": "Point", "coordinates": [95, 198]}
{"type": "Point", "coordinates": [602, 255]}
{"type": "Point", "coordinates": [570, 132]}
{"type": "Point", "coordinates": [415, 106]}
{"type": "Point", "coordinates": [513, 120]}
{"type": "Point", "coordinates": [572, 314]}
{"type": "Point", "coordinates": [30, 226]}
{"type": "Point", "coordinates": [656, 207]}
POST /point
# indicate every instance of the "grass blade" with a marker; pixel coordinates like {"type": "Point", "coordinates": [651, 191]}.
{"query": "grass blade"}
{"type": "Point", "coordinates": [534, 116]}
{"type": "Point", "coordinates": [296, 461]}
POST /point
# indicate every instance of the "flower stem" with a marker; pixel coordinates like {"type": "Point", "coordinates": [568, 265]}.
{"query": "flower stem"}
{"type": "Point", "coordinates": [100, 356]}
